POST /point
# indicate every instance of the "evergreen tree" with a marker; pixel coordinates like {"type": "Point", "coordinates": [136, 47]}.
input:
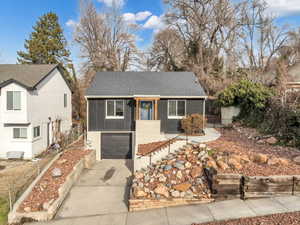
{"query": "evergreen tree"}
{"type": "Point", "coordinates": [46, 44]}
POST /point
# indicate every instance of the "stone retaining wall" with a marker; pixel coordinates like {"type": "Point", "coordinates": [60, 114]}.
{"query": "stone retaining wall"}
{"type": "Point", "coordinates": [143, 204]}
{"type": "Point", "coordinates": [16, 217]}
{"type": "Point", "coordinates": [228, 186]}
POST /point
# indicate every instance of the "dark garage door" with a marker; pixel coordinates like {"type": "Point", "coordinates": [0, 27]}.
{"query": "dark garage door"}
{"type": "Point", "coordinates": [116, 146]}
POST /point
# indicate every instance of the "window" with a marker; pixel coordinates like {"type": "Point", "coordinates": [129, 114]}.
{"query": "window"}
{"type": "Point", "coordinates": [13, 100]}
{"type": "Point", "coordinates": [36, 131]}
{"type": "Point", "coordinates": [114, 109]}
{"type": "Point", "coordinates": [176, 109]}
{"type": "Point", "coordinates": [65, 100]}
{"type": "Point", "coordinates": [20, 133]}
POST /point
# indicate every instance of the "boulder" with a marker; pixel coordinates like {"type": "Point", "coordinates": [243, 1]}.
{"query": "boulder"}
{"type": "Point", "coordinates": [162, 190]}
{"type": "Point", "coordinates": [139, 175]}
{"type": "Point", "coordinates": [235, 164]}
{"type": "Point", "coordinates": [56, 172]}
{"type": "Point", "coordinates": [212, 164]}
{"type": "Point", "coordinates": [179, 165]}
{"type": "Point", "coordinates": [222, 165]}
{"type": "Point", "coordinates": [179, 175]}
{"type": "Point", "coordinates": [283, 162]}
{"type": "Point", "coordinates": [196, 172]}
{"type": "Point", "coordinates": [175, 194]}
{"type": "Point", "coordinates": [297, 160]}
{"type": "Point", "coordinates": [139, 193]}
{"type": "Point", "coordinates": [271, 140]}
{"type": "Point", "coordinates": [182, 187]}
{"type": "Point", "coordinates": [188, 165]}
{"type": "Point", "coordinates": [260, 158]}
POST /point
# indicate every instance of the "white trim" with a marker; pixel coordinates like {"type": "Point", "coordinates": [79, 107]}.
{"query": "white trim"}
{"type": "Point", "coordinates": [177, 117]}
{"type": "Point", "coordinates": [134, 96]}
{"type": "Point", "coordinates": [114, 117]}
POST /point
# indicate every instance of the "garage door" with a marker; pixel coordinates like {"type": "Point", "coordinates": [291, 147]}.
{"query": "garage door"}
{"type": "Point", "coordinates": [116, 146]}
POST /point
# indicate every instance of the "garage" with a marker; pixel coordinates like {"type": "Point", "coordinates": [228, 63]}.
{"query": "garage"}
{"type": "Point", "coordinates": [116, 145]}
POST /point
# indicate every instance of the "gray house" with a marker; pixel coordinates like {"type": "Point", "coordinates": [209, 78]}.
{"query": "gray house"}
{"type": "Point", "coordinates": [126, 109]}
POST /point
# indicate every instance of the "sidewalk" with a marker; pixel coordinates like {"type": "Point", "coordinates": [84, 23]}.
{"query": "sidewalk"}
{"type": "Point", "coordinates": [186, 215]}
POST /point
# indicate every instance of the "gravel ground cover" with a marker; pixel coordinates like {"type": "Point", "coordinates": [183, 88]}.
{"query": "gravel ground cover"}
{"type": "Point", "coordinates": [234, 152]}
{"type": "Point", "coordinates": [276, 219]}
{"type": "Point", "coordinates": [46, 190]}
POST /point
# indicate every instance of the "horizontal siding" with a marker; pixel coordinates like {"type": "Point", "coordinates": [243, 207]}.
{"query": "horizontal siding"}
{"type": "Point", "coordinates": [98, 122]}
{"type": "Point", "coordinates": [174, 125]}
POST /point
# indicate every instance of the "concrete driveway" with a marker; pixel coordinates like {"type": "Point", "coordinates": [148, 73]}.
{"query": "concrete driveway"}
{"type": "Point", "coordinates": [101, 190]}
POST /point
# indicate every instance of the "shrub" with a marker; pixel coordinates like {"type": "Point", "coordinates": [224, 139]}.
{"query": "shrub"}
{"type": "Point", "coordinates": [193, 124]}
{"type": "Point", "coordinates": [248, 95]}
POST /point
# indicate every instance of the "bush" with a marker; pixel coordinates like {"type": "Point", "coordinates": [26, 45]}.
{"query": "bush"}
{"type": "Point", "coordinates": [193, 124]}
{"type": "Point", "coordinates": [282, 121]}
{"type": "Point", "coordinates": [248, 95]}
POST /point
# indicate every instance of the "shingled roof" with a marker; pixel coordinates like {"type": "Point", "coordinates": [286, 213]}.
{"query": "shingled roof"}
{"type": "Point", "coordinates": [163, 84]}
{"type": "Point", "coordinates": [26, 75]}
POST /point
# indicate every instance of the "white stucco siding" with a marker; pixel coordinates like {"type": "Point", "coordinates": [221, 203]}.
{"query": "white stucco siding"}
{"type": "Point", "coordinates": [14, 116]}
{"type": "Point", "coordinates": [48, 102]}
{"type": "Point", "coordinates": [8, 143]}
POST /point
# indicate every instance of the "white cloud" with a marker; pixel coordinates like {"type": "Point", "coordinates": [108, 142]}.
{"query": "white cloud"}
{"type": "Point", "coordinates": [110, 3]}
{"type": "Point", "coordinates": [154, 22]}
{"type": "Point", "coordinates": [141, 16]}
{"type": "Point", "coordinates": [71, 23]}
{"type": "Point", "coordinates": [283, 7]}
{"type": "Point", "coordinates": [133, 18]}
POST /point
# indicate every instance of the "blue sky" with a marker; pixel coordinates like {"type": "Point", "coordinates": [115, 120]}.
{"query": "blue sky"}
{"type": "Point", "coordinates": [18, 16]}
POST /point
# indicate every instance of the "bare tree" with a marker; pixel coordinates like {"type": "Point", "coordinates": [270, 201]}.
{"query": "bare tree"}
{"type": "Point", "coordinates": [104, 38]}
{"type": "Point", "coordinates": [167, 52]}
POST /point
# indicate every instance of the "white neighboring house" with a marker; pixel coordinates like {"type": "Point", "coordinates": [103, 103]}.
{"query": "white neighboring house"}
{"type": "Point", "coordinates": [35, 101]}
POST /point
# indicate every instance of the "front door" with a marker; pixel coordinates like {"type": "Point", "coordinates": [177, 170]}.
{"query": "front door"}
{"type": "Point", "coordinates": [146, 110]}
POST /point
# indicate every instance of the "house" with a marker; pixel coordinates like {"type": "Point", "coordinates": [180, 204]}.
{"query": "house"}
{"type": "Point", "coordinates": [35, 101]}
{"type": "Point", "coordinates": [126, 109]}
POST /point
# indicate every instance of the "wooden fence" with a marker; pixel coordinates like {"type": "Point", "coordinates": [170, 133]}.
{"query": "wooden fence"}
{"type": "Point", "coordinates": [229, 186]}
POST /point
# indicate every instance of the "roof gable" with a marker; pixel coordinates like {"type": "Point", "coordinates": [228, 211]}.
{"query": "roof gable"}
{"type": "Point", "coordinates": [164, 84]}
{"type": "Point", "coordinates": [27, 76]}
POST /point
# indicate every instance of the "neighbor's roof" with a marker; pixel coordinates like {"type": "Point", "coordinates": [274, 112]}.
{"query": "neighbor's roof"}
{"type": "Point", "coordinates": [145, 83]}
{"type": "Point", "coordinates": [25, 75]}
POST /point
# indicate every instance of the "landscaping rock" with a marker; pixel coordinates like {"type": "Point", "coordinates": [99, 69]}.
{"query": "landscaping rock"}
{"type": "Point", "coordinates": [271, 140]}
{"type": "Point", "coordinates": [168, 167]}
{"type": "Point", "coordinates": [182, 187]}
{"type": "Point", "coordinates": [234, 163]}
{"type": "Point", "coordinates": [196, 172]}
{"type": "Point", "coordinates": [162, 178]}
{"type": "Point", "coordinates": [260, 158]}
{"type": "Point", "coordinates": [139, 175]}
{"type": "Point", "coordinates": [139, 193]}
{"type": "Point", "coordinates": [175, 194]}
{"type": "Point", "coordinates": [56, 172]}
{"type": "Point", "coordinates": [222, 165]}
{"type": "Point", "coordinates": [188, 165]}
{"type": "Point", "coordinates": [297, 160]}
{"type": "Point", "coordinates": [27, 209]}
{"type": "Point", "coordinates": [179, 175]}
{"type": "Point", "coordinates": [212, 164]}
{"type": "Point", "coordinates": [179, 165]}
{"type": "Point", "coordinates": [162, 190]}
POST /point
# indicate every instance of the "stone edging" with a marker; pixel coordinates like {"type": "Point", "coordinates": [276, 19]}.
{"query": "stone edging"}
{"type": "Point", "coordinates": [144, 204]}
{"type": "Point", "coordinates": [15, 217]}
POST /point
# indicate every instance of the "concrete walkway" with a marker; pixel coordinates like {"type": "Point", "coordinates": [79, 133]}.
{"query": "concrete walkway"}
{"type": "Point", "coordinates": [186, 215]}
{"type": "Point", "coordinates": [211, 134]}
